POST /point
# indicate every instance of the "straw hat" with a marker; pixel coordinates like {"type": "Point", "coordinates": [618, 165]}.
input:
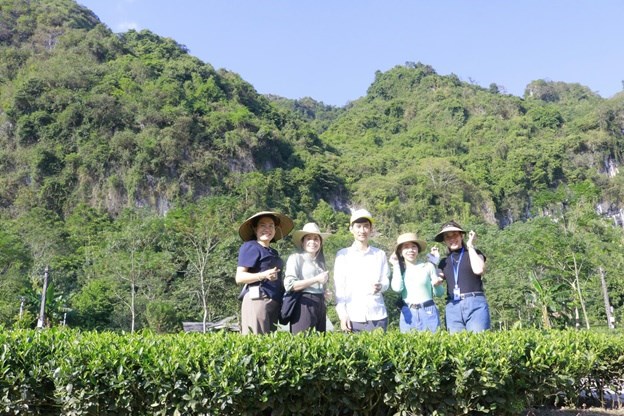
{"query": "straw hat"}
{"type": "Point", "coordinates": [309, 228]}
{"type": "Point", "coordinates": [409, 237]}
{"type": "Point", "coordinates": [449, 226]}
{"type": "Point", "coordinates": [360, 213]}
{"type": "Point", "coordinates": [283, 225]}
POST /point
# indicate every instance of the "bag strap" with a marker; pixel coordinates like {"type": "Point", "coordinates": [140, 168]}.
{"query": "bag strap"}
{"type": "Point", "coordinates": [404, 290]}
{"type": "Point", "coordinates": [299, 265]}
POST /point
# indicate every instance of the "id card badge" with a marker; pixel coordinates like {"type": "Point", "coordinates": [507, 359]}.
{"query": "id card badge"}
{"type": "Point", "coordinates": [456, 293]}
{"type": "Point", "coordinates": [254, 292]}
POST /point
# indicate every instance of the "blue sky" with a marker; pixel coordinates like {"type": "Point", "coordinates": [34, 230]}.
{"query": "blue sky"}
{"type": "Point", "coordinates": [330, 49]}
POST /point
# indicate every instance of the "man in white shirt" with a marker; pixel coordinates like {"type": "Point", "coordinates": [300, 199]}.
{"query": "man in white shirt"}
{"type": "Point", "coordinates": [361, 276]}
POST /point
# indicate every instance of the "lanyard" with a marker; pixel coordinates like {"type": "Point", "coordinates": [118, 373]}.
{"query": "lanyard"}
{"type": "Point", "coordinates": [456, 266]}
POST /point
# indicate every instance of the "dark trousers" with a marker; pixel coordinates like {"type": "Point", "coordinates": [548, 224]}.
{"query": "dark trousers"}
{"type": "Point", "coordinates": [370, 325]}
{"type": "Point", "coordinates": [309, 314]}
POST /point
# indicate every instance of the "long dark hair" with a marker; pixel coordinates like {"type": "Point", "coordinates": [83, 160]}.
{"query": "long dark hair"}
{"type": "Point", "coordinates": [401, 263]}
{"type": "Point", "coordinates": [320, 257]}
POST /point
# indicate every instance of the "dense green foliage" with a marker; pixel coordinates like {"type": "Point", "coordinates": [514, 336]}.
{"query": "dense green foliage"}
{"type": "Point", "coordinates": [225, 374]}
{"type": "Point", "coordinates": [126, 165]}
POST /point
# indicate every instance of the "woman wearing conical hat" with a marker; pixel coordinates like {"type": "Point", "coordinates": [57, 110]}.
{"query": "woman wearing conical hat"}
{"type": "Point", "coordinates": [260, 270]}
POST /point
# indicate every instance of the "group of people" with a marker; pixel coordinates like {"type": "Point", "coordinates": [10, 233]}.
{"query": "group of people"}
{"type": "Point", "coordinates": [362, 273]}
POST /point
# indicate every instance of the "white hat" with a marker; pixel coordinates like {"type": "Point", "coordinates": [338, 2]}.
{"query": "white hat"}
{"type": "Point", "coordinates": [283, 225]}
{"type": "Point", "coordinates": [309, 228]}
{"type": "Point", "coordinates": [360, 213]}
{"type": "Point", "coordinates": [404, 238]}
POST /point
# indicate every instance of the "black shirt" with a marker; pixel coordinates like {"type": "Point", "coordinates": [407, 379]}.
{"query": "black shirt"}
{"type": "Point", "coordinates": [468, 281]}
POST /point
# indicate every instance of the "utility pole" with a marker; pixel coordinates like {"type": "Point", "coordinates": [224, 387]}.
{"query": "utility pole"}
{"type": "Point", "coordinates": [65, 310]}
{"type": "Point", "coordinates": [41, 320]}
{"type": "Point", "coordinates": [22, 300]}
{"type": "Point", "coordinates": [605, 294]}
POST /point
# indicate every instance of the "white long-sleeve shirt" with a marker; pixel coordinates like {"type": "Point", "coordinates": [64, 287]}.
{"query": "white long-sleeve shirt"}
{"type": "Point", "coordinates": [355, 273]}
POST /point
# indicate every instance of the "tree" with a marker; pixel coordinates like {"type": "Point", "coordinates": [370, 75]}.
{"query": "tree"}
{"type": "Point", "coordinates": [95, 305]}
{"type": "Point", "coordinates": [135, 263]}
{"type": "Point", "coordinates": [15, 262]}
{"type": "Point", "coordinates": [548, 299]}
{"type": "Point", "coordinates": [199, 244]}
{"type": "Point", "coordinates": [203, 236]}
{"type": "Point", "coordinates": [558, 258]}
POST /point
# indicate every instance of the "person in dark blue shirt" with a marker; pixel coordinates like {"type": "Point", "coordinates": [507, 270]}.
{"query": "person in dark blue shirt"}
{"type": "Point", "coordinates": [260, 270]}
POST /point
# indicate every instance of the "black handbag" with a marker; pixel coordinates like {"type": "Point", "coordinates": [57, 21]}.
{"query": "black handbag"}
{"type": "Point", "coordinates": [289, 302]}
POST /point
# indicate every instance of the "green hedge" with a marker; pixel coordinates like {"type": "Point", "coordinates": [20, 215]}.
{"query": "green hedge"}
{"type": "Point", "coordinates": [76, 373]}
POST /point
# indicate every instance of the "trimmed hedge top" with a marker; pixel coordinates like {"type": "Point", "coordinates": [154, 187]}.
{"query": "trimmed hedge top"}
{"type": "Point", "coordinates": [70, 372]}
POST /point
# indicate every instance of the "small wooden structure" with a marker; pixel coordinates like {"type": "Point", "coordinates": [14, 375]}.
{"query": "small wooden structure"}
{"type": "Point", "coordinates": [224, 324]}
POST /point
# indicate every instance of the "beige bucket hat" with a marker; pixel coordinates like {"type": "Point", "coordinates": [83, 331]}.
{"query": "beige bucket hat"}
{"type": "Point", "coordinates": [407, 237]}
{"type": "Point", "coordinates": [309, 228]}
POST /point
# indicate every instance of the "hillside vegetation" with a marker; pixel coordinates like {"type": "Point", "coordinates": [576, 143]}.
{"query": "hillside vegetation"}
{"type": "Point", "coordinates": [127, 164]}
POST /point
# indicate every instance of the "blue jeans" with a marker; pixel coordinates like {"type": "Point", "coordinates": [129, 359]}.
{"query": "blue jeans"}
{"type": "Point", "coordinates": [469, 314]}
{"type": "Point", "coordinates": [421, 319]}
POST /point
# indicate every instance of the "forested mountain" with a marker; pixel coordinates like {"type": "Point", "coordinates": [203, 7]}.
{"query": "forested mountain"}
{"type": "Point", "coordinates": [503, 159]}
{"type": "Point", "coordinates": [126, 165]}
{"type": "Point", "coordinates": [130, 120]}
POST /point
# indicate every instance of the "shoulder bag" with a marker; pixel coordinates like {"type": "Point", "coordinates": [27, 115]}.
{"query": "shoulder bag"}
{"type": "Point", "coordinates": [290, 299]}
